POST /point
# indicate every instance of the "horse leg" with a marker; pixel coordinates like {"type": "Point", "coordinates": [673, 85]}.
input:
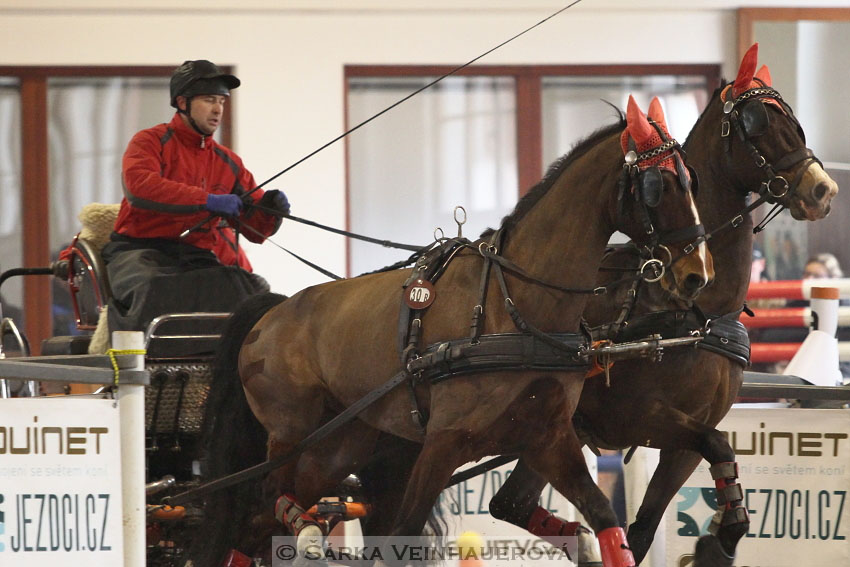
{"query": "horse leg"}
{"type": "Point", "coordinates": [677, 431]}
{"type": "Point", "coordinates": [674, 468]}
{"type": "Point", "coordinates": [317, 473]}
{"type": "Point", "coordinates": [517, 502]}
{"type": "Point", "coordinates": [564, 466]}
{"type": "Point", "coordinates": [384, 481]}
{"type": "Point", "coordinates": [436, 463]}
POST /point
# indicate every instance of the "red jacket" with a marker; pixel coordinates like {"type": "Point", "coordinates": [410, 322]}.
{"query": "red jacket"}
{"type": "Point", "coordinates": [168, 170]}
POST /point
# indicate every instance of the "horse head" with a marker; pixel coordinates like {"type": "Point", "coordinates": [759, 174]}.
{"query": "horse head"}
{"type": "Point", "coordinates": [654, 169]}
{"type": "Point", "coordinates": [759, 127]}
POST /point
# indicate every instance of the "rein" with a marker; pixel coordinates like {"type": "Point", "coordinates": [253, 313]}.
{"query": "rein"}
{"type": "Point", "coordinates": [387, 109]}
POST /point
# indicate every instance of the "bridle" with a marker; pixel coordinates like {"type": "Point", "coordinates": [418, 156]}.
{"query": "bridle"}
{"type": "Point", "coordinates": [748, 121]}
{"type": "Point", "coordinates": [646, 183]}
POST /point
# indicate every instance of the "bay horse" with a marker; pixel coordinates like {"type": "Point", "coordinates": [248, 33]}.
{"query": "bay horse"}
{"type": "Point", "coordinates": [674, 405]}
{"type": "Point", "coordinates": [302, 360]}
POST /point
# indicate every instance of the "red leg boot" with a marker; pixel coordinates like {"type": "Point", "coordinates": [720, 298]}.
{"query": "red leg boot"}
{"type": "Point", "coordinates": [308, 530]}
{"type": "Point", "coordinates": [615, 548]}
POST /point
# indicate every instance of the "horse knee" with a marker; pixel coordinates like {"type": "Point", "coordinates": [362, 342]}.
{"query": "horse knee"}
{"type": "Point", "coordinates": [716, 449]}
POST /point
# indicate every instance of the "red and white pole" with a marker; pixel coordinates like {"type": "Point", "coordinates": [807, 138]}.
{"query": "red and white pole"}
{"type": "Point", "coordinates": [795, 289]}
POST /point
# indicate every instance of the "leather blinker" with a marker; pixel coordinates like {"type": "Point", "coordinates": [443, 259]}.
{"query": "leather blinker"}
{"type": "Point", "coordinates": [651, 186]}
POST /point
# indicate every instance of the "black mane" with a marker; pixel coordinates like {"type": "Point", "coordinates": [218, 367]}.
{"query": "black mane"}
{"type": "Point", "coordinates": [702, 116]}
{"type": "Point", "coordinates": [554, 172]}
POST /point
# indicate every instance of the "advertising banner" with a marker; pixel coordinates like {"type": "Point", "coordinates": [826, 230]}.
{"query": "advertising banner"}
{"type": "Point", "coordinates": [60, 482]}
{"type": "Point", "coordinates": [465, 509]}
{"type": "Point", "coordinates": [795, 472]}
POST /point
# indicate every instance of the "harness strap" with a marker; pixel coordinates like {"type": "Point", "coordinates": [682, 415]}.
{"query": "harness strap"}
{"type": "Point", "coordinates": [344, 417]}
{"type": "Point", "coordinates": [501, 352]}
{"type": "Point", "coordinates": [476, 327]}
{"type": "Point", "coordinates": [520, 322]}
{"type": "Point", "coordinates": [503, 263]}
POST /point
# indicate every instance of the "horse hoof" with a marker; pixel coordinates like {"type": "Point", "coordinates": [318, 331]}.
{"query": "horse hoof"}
{"type": "Point", "coordinates": [709, 553]}
{"type": "Point", "coordinates": [309, 547]}
{"type": "Point", "coordinates": [588, 549]}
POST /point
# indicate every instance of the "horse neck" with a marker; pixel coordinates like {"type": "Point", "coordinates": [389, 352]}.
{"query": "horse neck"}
{"type": "Point", "coordinates": [718, 200]}
{"type": "Point", "coordinates": [562, 238]}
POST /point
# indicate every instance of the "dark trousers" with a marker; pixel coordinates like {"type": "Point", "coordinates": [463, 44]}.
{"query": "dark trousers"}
{"type": "Point", "coordinates": [153, 277]}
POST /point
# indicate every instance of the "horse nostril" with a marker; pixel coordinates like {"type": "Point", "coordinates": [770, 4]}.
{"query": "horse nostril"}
{"type": "Point", "coordinates": [694, 282]}
{"type": "Point", "coordinates": [821, 190]}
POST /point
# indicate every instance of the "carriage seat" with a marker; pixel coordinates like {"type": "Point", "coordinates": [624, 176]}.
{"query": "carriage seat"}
{"type": "Point", "coordinates": [88, 283]}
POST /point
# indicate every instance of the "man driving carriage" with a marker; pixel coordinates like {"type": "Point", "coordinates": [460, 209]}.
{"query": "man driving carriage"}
{"type": "Point", "coordinates": [175, 176]}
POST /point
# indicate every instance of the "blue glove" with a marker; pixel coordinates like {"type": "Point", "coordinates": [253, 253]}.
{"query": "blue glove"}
{"type": "Point", "coordinates": [228, 205]}
{"type": "Point", "coordinates": [275, 199]}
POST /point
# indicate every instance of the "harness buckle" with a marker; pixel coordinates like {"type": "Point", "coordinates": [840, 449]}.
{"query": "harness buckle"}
{"type": "Point", "coordinates": [725, 129]}
{"type": "Point", "coordinates": [688, 249]}
{"type": "Point", "coordinates": [760, 160]}
{"type": "Point", "coordinates": [601, 290]}
{"type": "Point", "coordinates": [736, 222]}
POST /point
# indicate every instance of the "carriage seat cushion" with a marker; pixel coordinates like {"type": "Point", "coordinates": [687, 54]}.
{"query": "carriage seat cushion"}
{"type": "Point", "coordinates": [65, 345]}
{"type": "Point", "coordinates": [98, 220]}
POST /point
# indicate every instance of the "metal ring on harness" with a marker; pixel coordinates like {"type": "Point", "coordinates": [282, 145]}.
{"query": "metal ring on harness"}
{"type": "Point", "coordinates": [784, 188]}
{"type": "Point", "coordinates": [669, 254]}
{"type": "Point", "coordinates": [652, 262]}
{"type": "Point", "coordinates": [459, 222]}
{"type": "Point", "coordinates": [491, 248]}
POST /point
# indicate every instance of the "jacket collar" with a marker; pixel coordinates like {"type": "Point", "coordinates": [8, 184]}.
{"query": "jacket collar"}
{"type": "Point", "coordinates": [187, 135]}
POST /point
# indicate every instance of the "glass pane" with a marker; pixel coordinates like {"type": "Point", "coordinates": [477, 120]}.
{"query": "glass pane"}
{"type": "Point", "coordinates": [453, 144]}
{"type": "Point", "coordinates": [11, 234]}
{"type": "Point", "coordinates": [91, 120]}
{"type": "Point", "coordinates": [573, 107]}
{"type": "Point", "coordinates": [803, 58]}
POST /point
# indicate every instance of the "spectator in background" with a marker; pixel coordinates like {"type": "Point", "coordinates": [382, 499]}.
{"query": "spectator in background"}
{"type": "Point", "coordinates": [823, 265]}
{"type": "Point", "coordinates": [758, 272]}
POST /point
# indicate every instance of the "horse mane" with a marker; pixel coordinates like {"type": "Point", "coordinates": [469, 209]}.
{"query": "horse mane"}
{"type": "Point", "coordinates": [555, 170]}
{"type": "Point", "coordinates": [702, 115]}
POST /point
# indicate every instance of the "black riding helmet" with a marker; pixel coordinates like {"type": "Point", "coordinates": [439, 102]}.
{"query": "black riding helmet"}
{"type": "Point", "coordinates": [200, 77]}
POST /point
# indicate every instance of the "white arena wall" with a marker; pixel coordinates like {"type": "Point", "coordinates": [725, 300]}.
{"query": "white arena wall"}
{"type": "Point", "coordinates": [290, 56]}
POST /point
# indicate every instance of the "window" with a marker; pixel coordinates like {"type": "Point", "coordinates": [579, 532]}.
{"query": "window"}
{"type": "Point", "coordinates": [481, 138]}
{"type": "Point", "coordinates": [64, 131]}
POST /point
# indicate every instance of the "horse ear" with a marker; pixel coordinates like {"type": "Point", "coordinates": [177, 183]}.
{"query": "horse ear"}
{"type": "Point", "coordinates": [746, 71]}
{"type": "Point", "coordinates": [656, 112]}
{"type": "Point", "coordinates": [763, 75]}
{"type": "Point", "coordinates": [638, 125]}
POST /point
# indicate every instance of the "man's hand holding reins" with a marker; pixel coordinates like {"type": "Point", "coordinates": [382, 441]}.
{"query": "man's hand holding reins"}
{"type": "Point", "coordinates": [227, 205]}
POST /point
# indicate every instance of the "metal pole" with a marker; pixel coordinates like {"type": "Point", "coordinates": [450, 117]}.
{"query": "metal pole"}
{"type": "Point", "coordinates": [131, 402]}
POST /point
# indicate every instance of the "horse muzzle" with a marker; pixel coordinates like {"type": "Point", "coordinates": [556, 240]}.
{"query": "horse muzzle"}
{"type": "Point", "coordinates": [813, 198]}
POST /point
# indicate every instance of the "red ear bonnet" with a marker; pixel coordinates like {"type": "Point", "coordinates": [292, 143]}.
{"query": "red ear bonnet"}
{"type": "Point", "coordinates": [745, 73]}
{"type": "Point", "coordinates": [637, 125]}
{"type": "Point", "coordinates": [644, 134]}
{"type": "Point", "coordinates": [763, 75]}
{"type": "Point", "coordinates": [656, 113]}
{"type": "Point", "coordinates": [746, 78]}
